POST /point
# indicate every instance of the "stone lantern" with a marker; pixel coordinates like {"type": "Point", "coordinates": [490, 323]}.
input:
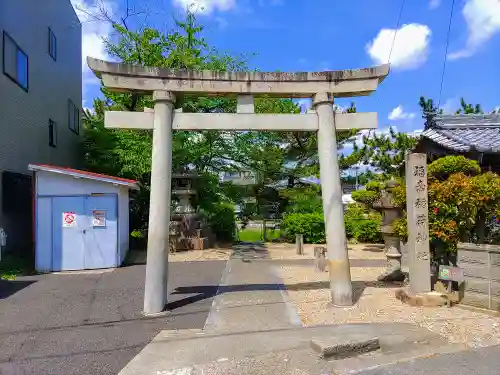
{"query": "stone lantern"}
{"type": "Point", "coordinates": [390, 212]}
{"type": "Point", "coordinates": [187, 230]}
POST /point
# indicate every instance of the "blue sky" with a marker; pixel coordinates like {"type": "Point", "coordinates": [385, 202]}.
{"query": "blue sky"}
{"type": "Point", "coordinates": [301, 35]}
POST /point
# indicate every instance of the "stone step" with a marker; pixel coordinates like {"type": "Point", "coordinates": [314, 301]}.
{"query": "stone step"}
{"type": "Point", "coordinates": [283, 351]}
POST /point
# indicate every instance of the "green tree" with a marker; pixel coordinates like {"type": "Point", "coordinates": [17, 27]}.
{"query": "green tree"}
{"type": "Point", "coordinates": [128, 153]}
{"type": "Point", "coordinates": [429, 112]}
{"type": "Point", "coordinates": [385, 153]}
{"type": "Point", "coordinates": [302, 150]}
{"type": "Point", "coordinates": [468, 109]}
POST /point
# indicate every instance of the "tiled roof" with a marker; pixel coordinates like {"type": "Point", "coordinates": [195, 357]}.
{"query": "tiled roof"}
{"type": "Point", "coordinates": [466, 132]}
{"type": "Point", "coordinates": [84, 174]}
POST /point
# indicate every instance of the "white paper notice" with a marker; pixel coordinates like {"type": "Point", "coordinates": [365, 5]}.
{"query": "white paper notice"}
{"type": "Point", "coordinates": [98, 218]}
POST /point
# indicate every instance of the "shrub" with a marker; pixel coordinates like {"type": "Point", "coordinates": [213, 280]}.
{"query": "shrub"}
{"type": "Point", "coordinates": [368, 231]}
{"type": "Point", "coordinates": [362, 224]}
{"type": "Point", "coordinates": [363, 230]}
{"type": "Point", "coordinates": [359, 225]}
{"type": "Point", "coordinates": [400, 227]}
{"type": "Point", "coordinates": [443, 167]}
{"type": "Point", "coordinates": [366, 197]}
{"type": "Point", "coordinates": [310, 225]}
{"type": "Point", "coordinates": [223, 222]}
{"type": "Point", "coordinates": [462, 203]}
{"type": "Point", "coordinates": [375, 185]}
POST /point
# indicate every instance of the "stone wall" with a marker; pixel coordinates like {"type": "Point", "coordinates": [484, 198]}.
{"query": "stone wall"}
{"type": "Point", "coordinates": [481, 267]}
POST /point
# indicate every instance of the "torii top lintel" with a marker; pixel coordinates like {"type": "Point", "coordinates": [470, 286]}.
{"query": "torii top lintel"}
{"type": "Point", "coordinates": [341, 83]}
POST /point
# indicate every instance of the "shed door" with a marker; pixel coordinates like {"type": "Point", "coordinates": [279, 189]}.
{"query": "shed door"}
{"type": "Point", "coordinates": [68, 225]}
{"type": "Point", "coordinates": [84, 233]}
{"type": "Point", "coordinates": [101, 236]}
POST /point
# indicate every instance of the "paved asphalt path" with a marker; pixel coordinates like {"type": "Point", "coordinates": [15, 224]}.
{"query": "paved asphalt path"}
{"type": "Point", "coordinates": [92, 323]}
{"type": "Point", "coordinates": [483, 361]}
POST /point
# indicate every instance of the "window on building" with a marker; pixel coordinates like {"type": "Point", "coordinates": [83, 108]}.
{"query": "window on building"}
{"type": "Point", "coordinates": [52, 44]}
{"type": "Point", "coordinates": [15, 62]}
{"type": "Point", "coordinates": [73, 117]}
{"type": "Point", "coordinates": [52, 133]}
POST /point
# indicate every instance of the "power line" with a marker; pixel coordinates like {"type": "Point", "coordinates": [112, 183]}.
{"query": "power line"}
{"type": "Point", "coordinates": [446, 53]}
{"type": "Point", "coordinates": [396, 31]}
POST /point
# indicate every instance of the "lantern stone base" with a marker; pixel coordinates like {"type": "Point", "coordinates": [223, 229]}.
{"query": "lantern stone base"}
{"type": "Point", "coordinates": [393, 254]}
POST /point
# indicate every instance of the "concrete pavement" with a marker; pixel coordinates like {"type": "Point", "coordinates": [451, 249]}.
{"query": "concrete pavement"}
{"type": "Point", "coordinates": [251, 295]}
{"type": "Point", "coordinates": [91, 323]}
{"type": "Point", "coordinates": [254, 329]}
{"type": "Point", "coordinates": [284, 351]}
{"type": "Point", "coordinates": [482, 361]}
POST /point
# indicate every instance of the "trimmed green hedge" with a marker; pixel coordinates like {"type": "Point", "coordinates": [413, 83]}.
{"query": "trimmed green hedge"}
{"type": "Point", "coordinates": [363, 230]}
{"type": "Point", "coordinates": [310, 225]}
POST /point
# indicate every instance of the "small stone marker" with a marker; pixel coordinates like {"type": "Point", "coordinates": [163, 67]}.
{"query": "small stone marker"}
{"type": "Point", "coordinates": [450, 274]}
{"type": "Point", "coordinates": [335, 348]}
{"type": "Point", "coordinates": [418, 223]}
{"type": "Point", "coordinates": [299, 244]}
{"type": "Point", "coordinates": [320, 258]}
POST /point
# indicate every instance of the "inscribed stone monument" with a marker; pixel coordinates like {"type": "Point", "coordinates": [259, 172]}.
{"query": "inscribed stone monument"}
{"type": "Point", "coordinates": [418, 222]}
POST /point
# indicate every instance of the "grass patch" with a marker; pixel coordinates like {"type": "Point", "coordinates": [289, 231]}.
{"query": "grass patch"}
{"type": "Point", "coordinates": [256, 234]}
{"type": "Point", "coordinates": [12, 266]}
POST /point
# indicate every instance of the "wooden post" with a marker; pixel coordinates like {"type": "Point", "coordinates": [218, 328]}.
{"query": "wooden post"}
{"type": "Point", "coordinates": [299, 244]}
{"type": "Point", "coordinates": [320, 258]}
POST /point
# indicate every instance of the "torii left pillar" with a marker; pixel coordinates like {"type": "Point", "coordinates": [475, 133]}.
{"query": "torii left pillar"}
{"type": "Point", "coordinates": [155, 293]}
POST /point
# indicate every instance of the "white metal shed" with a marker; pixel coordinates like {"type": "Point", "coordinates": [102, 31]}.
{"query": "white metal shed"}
{"type": "Point", "coordinates": [81, 219]}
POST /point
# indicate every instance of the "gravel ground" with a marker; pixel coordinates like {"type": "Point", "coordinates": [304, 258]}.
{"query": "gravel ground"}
{"type": "Point", "coordinates": [139, 257]}
{"type": "Point", "coordinates": [359, 251]}
{"type": "Point", "coordinates": [375, 302]}
{"type": "Point", "coordinates": [200, 255]}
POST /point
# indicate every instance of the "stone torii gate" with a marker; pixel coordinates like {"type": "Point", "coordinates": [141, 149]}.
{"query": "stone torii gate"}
{"type": "Point", "coordinates": [167, 84]}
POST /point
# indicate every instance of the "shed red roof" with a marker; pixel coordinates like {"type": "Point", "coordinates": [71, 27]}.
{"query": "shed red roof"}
{"type": "Point", "coordinates": [83, 174]}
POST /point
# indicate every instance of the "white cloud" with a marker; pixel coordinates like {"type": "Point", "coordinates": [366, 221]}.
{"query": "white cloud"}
{"type": "Point", "coordinates": [496, 109]}
{"type": "Point", "coordinates": [483, 21]}
{"type": "Point", "coordinates": [398, 113]}
{"type": "Point", "coordinates": [450, 105]}
{"type": "Point", "coordinates": [433, 4]}
{"type": "Point", "coordinates": [93, 31]}
{"type": "Point", "coordinates": [411, 46]}
{"type": "Point", "coordinates": [205, 6]}
{"type": "Point", "coordinates": [370, 133]}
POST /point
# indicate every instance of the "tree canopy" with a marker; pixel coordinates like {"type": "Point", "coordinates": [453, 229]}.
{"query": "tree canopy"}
{"type": "Point", "coordinates": [273, 156]}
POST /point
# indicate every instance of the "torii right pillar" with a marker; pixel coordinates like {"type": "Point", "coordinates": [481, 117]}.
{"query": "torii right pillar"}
{"type": "Point", "coordinates": [331, 191]}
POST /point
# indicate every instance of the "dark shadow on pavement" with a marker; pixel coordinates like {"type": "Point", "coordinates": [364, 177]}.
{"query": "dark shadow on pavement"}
{"type": "Point", "coordinates": [8, 287]}
{"type": "Point", "coordinates": [375, 248]}
{"type": "Point", "coordinates": [209, 291]}
{"type": "Point", "coordinates": [200, 293]}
